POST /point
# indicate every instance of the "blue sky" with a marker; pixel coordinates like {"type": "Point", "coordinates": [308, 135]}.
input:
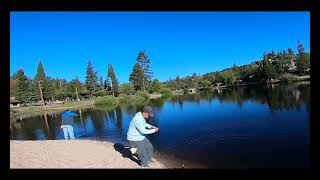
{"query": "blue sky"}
{"type": "Point", "coordinates": [178, 43]}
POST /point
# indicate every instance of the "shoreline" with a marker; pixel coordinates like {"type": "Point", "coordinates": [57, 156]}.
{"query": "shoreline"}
{"type": "Point", "coordinates": [71, 154]}
{"type": "Point", "coordinates": [38, 152]}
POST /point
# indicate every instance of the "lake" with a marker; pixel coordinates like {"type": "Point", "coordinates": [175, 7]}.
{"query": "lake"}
{"type": "Point", "coordinates": [246, 127]}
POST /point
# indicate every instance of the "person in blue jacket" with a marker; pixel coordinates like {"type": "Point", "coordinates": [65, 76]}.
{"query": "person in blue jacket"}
{"type": "Point", "coordinates": [138, 128]}
{"type": "Point", "coordinates": [67, 121]}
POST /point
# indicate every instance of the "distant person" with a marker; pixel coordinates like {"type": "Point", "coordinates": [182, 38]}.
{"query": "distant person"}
{"type": "Point", "coordinates": [67, 121]}
{"type": "Point", "coordinates": [136, 135]}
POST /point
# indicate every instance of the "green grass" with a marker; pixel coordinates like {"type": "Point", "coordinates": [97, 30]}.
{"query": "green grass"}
{"type": "Point", "coordinates": [38, 110]}
{"type": "Point", "coordinates": [107, 101]}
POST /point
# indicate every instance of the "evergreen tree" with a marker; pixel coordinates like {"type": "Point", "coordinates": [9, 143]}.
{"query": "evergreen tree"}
{"type": "Point", "coordinates": [156, 86]}
{"type": "Point", "coordinates": [281, 65]}
{"type": "Point", "coordinates": [91, 78]}
{"type": "Point", "coordinates": [144, 63]}
{"type": "Point", "coordinates": [268, 69]}
{"type": "Point", "coordinates": [101, 83]}
{"type": "Point", "coordinates": [303, 59]}
{"type": "Point", "coordinates": [127, 88]}
{"type": "Point", "coordinates": [32, 91]}
{"type": "Point", "coordinates": [13, 86]}
{"type": "Point", "coordinates": [107, 85]}
{"type": "Point", "coordinates": [136, 77]}
{"type": "Point", "coordinates": [114, 81]}
{"type": "Point", "coordinates": [47, 90]}
{"type": "Point", "coordinates": [40, 76]}
{"type": "Point", "coordinates": [22, 87]}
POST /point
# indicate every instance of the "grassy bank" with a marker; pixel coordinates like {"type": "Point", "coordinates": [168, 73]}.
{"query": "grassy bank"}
{"type": "Point", "coordinates": [37, 110]}
{"type": "Point", "coordinates": [138, 98]}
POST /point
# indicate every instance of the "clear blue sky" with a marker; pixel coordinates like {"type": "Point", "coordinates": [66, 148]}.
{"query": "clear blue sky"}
{"type": "Point", "coordinates": [178, 43]}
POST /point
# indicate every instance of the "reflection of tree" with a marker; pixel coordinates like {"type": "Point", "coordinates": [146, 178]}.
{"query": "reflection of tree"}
{"type": "Point", "coordinates": [119, 117]}
{"type": "Point", "coordinates": [130, 109]}
{"type": "Point", "coordinates": [157, 103]}
{"type": "Point", "coordinates": [28, 129]}
{"type": "Point", "coordinates": [280, 97]}
{"type": "Point", "coordinates": [97, 119]}
{"type": "Point", "coordinates": [46, 128]}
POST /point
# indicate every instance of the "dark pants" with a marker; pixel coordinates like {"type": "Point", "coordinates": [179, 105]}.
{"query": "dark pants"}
{"type": "Point", "coordinates": [144, 150]}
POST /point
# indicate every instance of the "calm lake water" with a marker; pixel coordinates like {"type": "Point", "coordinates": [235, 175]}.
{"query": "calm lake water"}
{"type": "Point", "coordinates": [247, 127]}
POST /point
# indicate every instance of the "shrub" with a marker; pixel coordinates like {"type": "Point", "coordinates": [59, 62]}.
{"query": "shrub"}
{"type": "Point", "coordinates": [100, 93]}
{"type": "Point", "coordinates": [143, 94]}
{"type": "Point", "coordinates": [287, 78]}
{"type": "Point", "coordinates": [106, 100]}
{"type": "Point", "coordinates": [166, 92]}
{"type": "Point", "coordinates": [133, 99]}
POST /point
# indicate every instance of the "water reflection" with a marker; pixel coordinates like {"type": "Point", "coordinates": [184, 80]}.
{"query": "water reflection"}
{"type": "Point", "coordinates": [276, 97]}
{"type": "Point", "coordinates": [203, 127]}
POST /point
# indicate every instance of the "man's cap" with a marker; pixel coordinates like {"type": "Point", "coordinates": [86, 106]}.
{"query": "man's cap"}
{"type": "Point", "coordinates": [148, 110]}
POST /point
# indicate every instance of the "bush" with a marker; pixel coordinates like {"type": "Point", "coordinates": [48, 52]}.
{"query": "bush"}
{"type": "Point", "coordinates": [132, 99]}
{"type": "Point", "coordinates": [287, 78]}
{"type": "Point", "coordinates": [127, 89]}
{"type": "Point", "coordinates": [106, 100]}
{"type": "Point", "coordinates": [124, 98]}
{"type": "Point", "coordinates": [143, 94]}
{"type": "Point", "coordinates": [166, 92]}
{"type": "Point", "coordinates": [100, 93]}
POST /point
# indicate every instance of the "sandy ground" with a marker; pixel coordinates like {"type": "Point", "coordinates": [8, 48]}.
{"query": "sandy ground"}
{"type": "Point", "coordinates": [69, 154]}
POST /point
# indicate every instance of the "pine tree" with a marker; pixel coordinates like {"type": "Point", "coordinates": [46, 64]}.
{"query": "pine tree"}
{"type": "Point", "coordinates": [136, 77]}
{"type": "Point", "coordinates": [114, 80]}
{"type": "Point", "coordinates": [40, 76]}
{"type": "Point", "coordinates": [107, 85]}
{"type": "Point", "coordinates": [13, 86]}
{"type": "Point", "coordinates": [144, 63]}
{"type": "Point", "coordinates": [33, 91]}
{"type": "Point", "coordinates": [22, 87]}
{"type": "Point", "coordinates": [281, 65]}
{"type": "Point", "coordinates": [47, 90]}
{"type": "Point", "coordinates": [156, 86]}
{"type": "Point", "coordinates": [91, 78]}
{"type": "Point", "coordinates": [101, 83]}
{"type": "Point", "coordinates": [303, 59]}
{"type": "Point", "coordinates": [268, 71]}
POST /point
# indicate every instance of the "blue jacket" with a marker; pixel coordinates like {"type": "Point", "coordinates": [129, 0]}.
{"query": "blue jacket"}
{"type": "Point", "coordinates": [137, 128]}
{"type": "Point", "coordinates": [68, 117]}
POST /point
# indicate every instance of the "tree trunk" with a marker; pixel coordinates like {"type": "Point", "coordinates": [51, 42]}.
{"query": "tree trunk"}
{"type": "Point", "coordinates": [41, 93]}
{"type": "Point", "coordinates": [77, 94]}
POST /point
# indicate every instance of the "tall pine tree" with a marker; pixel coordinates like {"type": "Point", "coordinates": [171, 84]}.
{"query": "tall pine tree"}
{"type": "Point", "coordinates": [303, 59]}
{"type": "Point", "coordinates": [268, 70]}
{"type": "Point", "coordinates": [136, 77]}
{"type": "Point", "coordinates": [91, 79]}
{"type": "Point", "coordinates": [47, 90]}
{"type": "Point", "coordinates": [101, 83]}
{"type": "Point", "coordinates": [107, 85]}
{"type": "Point", "coordinates": [114, 80]}
{"type": "Point", "coordinates": [22, 87]}
{"type": "Point", "coordinates": [144, 63]}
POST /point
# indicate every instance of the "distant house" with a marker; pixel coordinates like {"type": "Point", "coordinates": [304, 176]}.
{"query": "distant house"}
{"type": "Point", "coordinates": [14, 102]}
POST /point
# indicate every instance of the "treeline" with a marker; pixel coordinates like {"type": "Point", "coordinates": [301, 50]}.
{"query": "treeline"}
{"type": "Point", "coordinates": [29, 90]}
{"type": "Point", "coordinates": [284, 65]}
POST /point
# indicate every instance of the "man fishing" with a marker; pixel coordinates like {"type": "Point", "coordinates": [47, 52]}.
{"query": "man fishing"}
{"type": "Point", "coordinates": [138, 128]}
{"type": "Point", "coordinates": [67, 122]}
